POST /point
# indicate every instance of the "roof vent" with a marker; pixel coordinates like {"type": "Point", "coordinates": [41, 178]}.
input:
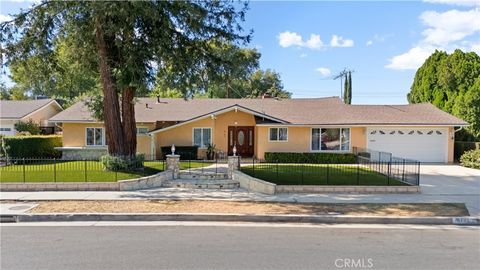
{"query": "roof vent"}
{"type": "Point", "coordinates": [158, 99]}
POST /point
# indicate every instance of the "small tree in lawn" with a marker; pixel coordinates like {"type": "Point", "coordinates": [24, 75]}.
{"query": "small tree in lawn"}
{"type": "Point", "coordinates": [127, 42]}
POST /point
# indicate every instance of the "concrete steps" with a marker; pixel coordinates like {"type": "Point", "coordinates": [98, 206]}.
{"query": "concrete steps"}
{"type": "Point", "coordinates": [202, 175]}
{"type": "Point", "coordinates": [202, 183]}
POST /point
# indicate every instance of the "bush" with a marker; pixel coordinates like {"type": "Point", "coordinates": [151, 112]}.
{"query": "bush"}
{"type": "Point", "coordinates": [462, 147]}
{"type": "Point", "coordinates": [332, 158]}
{"type": "Point", "coordinates": [31, 127]}
{"type": "Point", "coordinates": [185, 152]}
{"type": "Point", "coordinates": [32, 146]}
{"type": "Point", "coordinates": [113, 163]}
{"type": "Point", "coordinates": [471, 159]}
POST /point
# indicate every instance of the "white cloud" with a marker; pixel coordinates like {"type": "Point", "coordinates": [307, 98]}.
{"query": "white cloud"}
{"type": "Point", "coordinates": [287, 39]}
{"type": "Point", "coordinates": [4, 18]}
{"type": "Point", "coordinates": [445, 31]}
{"type": "Point", "coordinates": [338, 41]}
{"type": "Point", "coordinates": [324, 71]}
{"type": "Point", "coordinates": [303, 55]}
{"type": "Point", "coordinates": [449, 26]}
{"type": "Point", "coordinates": [410, 60]}
{"type": "Point", "coordinates": [468, 3]}
{"type": "Point", "coordinates": [369, 43]}
{"type": "Point", "coordinates": [314, 42]}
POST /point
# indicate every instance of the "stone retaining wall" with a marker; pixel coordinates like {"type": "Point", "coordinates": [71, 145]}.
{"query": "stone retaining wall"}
{"type": "Point", "coordinates": [256, 185]}
{"type": "Point", "coordinates": [253, 184]}
{"type": "Point", "coordinates": [151, 181]}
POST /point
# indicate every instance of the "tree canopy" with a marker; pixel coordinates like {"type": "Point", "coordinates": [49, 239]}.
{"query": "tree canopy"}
{"type": "Point", "coordinates": [128, 43]}
{"type": "Point", "coordinates": [451, 82]}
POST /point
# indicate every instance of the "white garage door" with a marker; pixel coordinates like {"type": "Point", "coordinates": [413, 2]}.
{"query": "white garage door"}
{"type": "Point", "coordinates": [424, 144]}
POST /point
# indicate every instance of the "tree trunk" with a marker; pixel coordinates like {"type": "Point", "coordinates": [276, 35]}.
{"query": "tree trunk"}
{"type": "Point", "coordinates": [111, 107]}
{"type": "Point", "coordinates": [128, 117]}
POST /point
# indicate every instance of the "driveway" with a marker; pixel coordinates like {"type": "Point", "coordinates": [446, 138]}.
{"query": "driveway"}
{"type": "Point", "coordinates": [449, 180]}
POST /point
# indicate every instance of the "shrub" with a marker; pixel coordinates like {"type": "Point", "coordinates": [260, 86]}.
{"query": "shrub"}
{"type": "Point", "coordinates": [471, 159]}
{"type": "Point", "coordinates": [29, 126]}
{"type": "Point", "coordinates": [32, 146]}
{"type": "Point", "coordinates": [113, 163]}
{"type": "Point", "coordinates": [462, 147]}
{"type": "Point", "coordinates": [332, 158]}
{"type": "Point", "coordinates": [185, 152]}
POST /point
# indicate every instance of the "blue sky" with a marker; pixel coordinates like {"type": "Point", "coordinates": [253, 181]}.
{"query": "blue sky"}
{"type": "Point", "coordinates": [383, 42]}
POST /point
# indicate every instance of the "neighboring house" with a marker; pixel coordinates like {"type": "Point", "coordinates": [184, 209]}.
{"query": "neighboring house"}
{"type": "Point", "coordinates": [256, 126]}
{"type": "Point", "coordinates": [39, 111]}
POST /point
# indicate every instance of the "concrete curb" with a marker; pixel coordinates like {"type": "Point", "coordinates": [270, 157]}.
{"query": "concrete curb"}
{"type": "Point", "coordinates": [329, 219]}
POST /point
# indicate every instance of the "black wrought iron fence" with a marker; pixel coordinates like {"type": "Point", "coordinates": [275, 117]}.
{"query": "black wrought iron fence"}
{"type": "Point", "coordinates": [364, 172]}
{"type": "Point", "coordinates": [72, 170]}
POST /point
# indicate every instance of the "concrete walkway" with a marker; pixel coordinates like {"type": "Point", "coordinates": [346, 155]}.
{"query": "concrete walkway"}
{"type": "Point", "coordinates": [440, 184]}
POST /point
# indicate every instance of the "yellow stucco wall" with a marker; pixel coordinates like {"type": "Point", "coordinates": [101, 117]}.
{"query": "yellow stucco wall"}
{"type": "Point", "coordinates": [183, 135]}
{"type": "Point", "coordinates": [358, 137]}
{"type": "Point", "coordinates": [74, 136]}
{"type": "Point", "coordinates": [298, 141]}
{"type": "Point", "coordinates": [451, 143]}
{"type": "Point", "coordinates": [298, 137]}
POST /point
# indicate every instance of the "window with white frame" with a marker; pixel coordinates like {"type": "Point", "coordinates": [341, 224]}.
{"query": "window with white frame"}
{"type": "Point", "coordinates": [95, 137]}
{"type": "Point", "coordinates": [5, 129]}
{"type": "Point", "coordinates": [330, 139]}
{"type": "Point", "coordinates": [202, 137]}
{"type": "Point", "coordinates": [278, 134]}
{"type": "Point", "coordinates": [142, 130]}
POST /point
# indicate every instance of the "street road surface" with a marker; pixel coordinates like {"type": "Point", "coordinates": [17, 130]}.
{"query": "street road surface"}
{"type": "Point", "coordinates": [238, 247]}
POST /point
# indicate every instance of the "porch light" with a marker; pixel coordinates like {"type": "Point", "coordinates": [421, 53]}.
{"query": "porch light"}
{"type": "Point", "coordinates": [234, 150]}
{"type": "Point", "coordinates": [173, 149]}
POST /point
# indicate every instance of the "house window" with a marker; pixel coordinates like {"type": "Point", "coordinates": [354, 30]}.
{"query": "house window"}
{"type": "Point", "coordinates": [202, 137]}
{"type": "Point", "coordinates": [95, 137]}
{"type": "Point", "coordinates": [5, 129]}
{"type": "Point", "coordinates": [142, 130]}
{"type": "Point", "coordinates": [330, 139]}
{"type": "Point", "coordinates": [278, 134]}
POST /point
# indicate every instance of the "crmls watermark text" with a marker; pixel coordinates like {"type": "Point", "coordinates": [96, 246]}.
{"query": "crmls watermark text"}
{"type": "Point", "coordinates": [350, 263]}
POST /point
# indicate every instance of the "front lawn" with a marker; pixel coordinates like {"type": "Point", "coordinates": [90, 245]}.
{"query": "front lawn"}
{"type": "Point", "coordinates": [80, 171]}
{"type": "Point", "coordinates": [318, 174]}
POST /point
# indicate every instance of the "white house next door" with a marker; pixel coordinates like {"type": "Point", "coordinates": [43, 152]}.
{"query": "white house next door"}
{"type": "Point", "coordinates": [423, 144]}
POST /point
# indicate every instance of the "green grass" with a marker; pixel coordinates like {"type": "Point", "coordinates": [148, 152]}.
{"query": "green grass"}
{"type": "Point", "coordinates": [316, 174]}
{"type": "Point", "coordinates": [74, 171]}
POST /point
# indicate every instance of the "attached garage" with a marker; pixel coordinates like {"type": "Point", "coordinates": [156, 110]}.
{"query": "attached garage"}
{"type": "Point", "coordinates": [423, 144]}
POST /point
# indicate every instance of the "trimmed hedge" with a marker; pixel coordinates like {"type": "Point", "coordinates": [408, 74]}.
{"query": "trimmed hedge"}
{"type": "Point", "coordinates": [462, 147]}
{"type": "Point", "coordinates": [112, 163]}
{"type": "Point", "coordinates": [32, 146]}
{"type": "Point", "coordinates": [471, 159]}
{"type": "Point", "coordinates": [185, 152]}
{"type": "Point", "coordinates": [289, 157]}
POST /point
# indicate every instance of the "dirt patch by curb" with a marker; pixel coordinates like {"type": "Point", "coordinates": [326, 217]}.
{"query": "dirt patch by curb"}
{"type": "Point", "coordinates": [255, 208]}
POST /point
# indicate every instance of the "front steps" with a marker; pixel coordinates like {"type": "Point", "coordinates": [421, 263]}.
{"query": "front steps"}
{"type": "Point", "coordinates": [202, 181]}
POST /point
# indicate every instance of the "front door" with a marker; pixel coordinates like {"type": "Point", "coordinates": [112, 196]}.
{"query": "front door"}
{"type": "Point", "coordinates": [242, 138]}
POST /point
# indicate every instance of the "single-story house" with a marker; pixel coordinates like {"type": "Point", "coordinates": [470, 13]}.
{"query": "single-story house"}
{"type": "Point", "coordinates": [256, 126]}
{"type": "Point", "coordinates": [38, 111]}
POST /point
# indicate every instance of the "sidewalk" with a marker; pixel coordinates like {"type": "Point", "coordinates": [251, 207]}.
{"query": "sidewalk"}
{"type": "Point", "coordinates": [472, 201]}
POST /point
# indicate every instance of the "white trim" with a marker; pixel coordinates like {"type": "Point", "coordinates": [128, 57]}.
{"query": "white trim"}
{"type": "Point", "coordinates": [278, 135]}
{"type": "Point", "coordinates": [332, 151]}
{"type": "Point", "coordinates": [231, 108]}
{"type": "Point", "coordinates": [364, 125]}
{"type": "Point", "coordinates": [103, 138]}
{"type": "Point", "coordinates": [201, 133]}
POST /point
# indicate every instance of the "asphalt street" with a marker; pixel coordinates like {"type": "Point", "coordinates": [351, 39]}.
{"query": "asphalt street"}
{"type": "Point", "coordinates": [238, 247]}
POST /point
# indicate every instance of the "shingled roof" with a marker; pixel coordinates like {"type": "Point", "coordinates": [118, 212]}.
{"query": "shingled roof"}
{"type": "Point", "coordinates": [17, 109]}
{"type": "Point", "coordinates": [308, 111]}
